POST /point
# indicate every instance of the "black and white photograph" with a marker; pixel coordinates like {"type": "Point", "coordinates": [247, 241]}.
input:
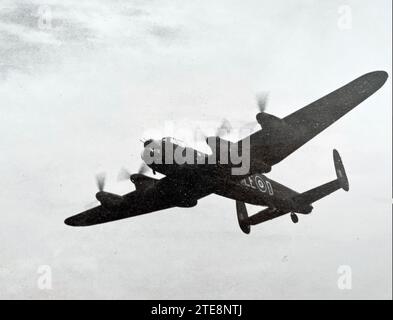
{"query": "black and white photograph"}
{"type": "Point", "coordinates": [196, 150]}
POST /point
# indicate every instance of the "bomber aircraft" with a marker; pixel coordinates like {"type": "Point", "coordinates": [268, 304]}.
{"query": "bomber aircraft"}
{"type": "Point", "coordinates": [196, 175]}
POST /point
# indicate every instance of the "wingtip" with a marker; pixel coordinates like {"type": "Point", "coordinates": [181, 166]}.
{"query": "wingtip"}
{"type": "Point", "coordinates": [69, 222]}
{"type": "Point", "coordinates": [379, 76]}
{"type": "Point", "coordinates": [382, 74]}
{"type": "Point", "coordinates": [74, 222]}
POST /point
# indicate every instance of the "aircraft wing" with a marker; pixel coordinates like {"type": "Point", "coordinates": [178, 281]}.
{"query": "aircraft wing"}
{"type": "Point", "coordinates": [280, 137]}
{"type": "Point", "coordinates": [137, 205]}
{"type": "Point", "coordinates": [162, 195]}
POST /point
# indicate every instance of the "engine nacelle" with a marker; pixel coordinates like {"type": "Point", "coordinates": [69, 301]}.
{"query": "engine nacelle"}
{"type": "Point", "coordinates": [110, 200]}
{"type": "Point", "coordinates": [187, 203]}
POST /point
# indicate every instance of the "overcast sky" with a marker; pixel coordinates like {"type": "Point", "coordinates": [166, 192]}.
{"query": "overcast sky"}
{"type": "Point", "coordinates": [79, 90]}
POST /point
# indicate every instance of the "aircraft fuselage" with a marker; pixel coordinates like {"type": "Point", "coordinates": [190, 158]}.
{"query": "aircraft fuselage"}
{"type": "Point", "coordinates": [254, 188]}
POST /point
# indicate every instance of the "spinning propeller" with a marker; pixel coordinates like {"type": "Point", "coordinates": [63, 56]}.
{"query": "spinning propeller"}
{"type": "Point", "coordinates": [225, 128]}
{"type": "Point", "coordinates": [100, 181]}
{"type": "Point", "coordinates": [262, 100]}
{"type": "Point", "coordinates": [124, 174]}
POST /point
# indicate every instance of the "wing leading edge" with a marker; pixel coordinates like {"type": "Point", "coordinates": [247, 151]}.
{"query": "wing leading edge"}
{"type": "Point", "coordinates": [280, 137]}
{"type": "Point", "coordinates": [154, 196]}
{"type": "Point", "coordinates": [138, 204]}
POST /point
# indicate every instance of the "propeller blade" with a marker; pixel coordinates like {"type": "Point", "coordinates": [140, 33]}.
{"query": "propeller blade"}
{"type": "Point", "coordinates": [224, 129]}
{"type": "Point", "coordinates": [249, 127]}
{"type": "Point", "coordinates": [199, 135]}
{"type": "Point", "coordinates": [100, 180]}
{"type": "Point", "coordinates": [143, 168]}
{"type": "Point", "coordinates": [262, 99]}
{"type": "Point", "coordinates": [123, 175]}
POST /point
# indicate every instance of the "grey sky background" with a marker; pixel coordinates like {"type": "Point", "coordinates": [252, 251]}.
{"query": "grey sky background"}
{"type": "Point", "coordinates": [77, 97]}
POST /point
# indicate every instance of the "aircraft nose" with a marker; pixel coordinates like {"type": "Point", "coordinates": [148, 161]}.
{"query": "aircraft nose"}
{"type": "Point", "coordinates": [147, 147]}
{"type": "Point", "coordinates": [150, 147]}
{"type": "Point", "coordinates": [147, 142]}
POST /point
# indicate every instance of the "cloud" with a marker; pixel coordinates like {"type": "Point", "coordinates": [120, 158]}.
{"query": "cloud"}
{"type": "Point", "coordinates": [37, 33]}
{"type": "Point", "coordinates": [164, 32]}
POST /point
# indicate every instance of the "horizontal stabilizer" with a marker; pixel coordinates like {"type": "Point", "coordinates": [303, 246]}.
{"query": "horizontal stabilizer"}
{"type": "Point", "coordinates": [265, 215]}
{"type": "Point", "coordinates": [303, 200]}
{"type": "Point", "coordinates": [245, 222]}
